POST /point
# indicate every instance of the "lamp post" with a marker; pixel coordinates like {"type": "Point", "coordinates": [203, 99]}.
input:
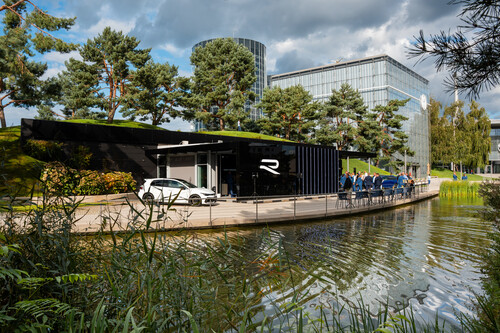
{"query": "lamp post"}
{"type": "Point", "coordinates": [405, 163]}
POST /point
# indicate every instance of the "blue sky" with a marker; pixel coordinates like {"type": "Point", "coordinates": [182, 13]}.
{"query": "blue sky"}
{"type": "Point", "coordinates": [297, 33]}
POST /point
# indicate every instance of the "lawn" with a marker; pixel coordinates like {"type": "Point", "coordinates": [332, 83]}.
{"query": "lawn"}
{"type": "Point", "coordinates": [116, 122]}
{"type": "Point", "coordinates": [250, 135]}
{"type": "Point", "coordinates": [18, 172]}
{"type": "Point", "coordinates": [445, 173]}
{"type": "Point", "coordinates": [361, 166]}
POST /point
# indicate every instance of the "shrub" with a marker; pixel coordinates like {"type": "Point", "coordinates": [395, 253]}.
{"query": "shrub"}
{"type": "Point", "coordinates": [44, 150]}
{"type": "Point", "coordinates": [80, 157]}
{"type": "Point", "coordinates": [91, 183]}
{"type": "Point", "coordinates": [58, 179]}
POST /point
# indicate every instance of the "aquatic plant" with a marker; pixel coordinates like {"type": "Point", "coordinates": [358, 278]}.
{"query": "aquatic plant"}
{"type": "Point", "coordinates": [461, 189]}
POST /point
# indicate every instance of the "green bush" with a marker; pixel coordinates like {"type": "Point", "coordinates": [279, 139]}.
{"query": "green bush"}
{"type": "Point", "coordinates": [44, 150]}
{"type": "Point", "coordinates": [58, 179]}
{"type": "Point", "coordinates": [80, 157]}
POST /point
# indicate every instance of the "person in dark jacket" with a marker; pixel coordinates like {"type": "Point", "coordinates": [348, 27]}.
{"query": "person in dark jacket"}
{"type": "Point", "coordinates": [368, 182]}
{"type": "Point", "coordinates": [377, 182]}
{"type": "Point", "coordinates": [347, 183]}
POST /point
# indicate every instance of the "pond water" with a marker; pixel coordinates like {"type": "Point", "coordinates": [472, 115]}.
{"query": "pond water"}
{"type": "Point", "coordinates": [426, 255]}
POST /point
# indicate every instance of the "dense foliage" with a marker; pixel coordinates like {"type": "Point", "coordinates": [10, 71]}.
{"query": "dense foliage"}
{"type": "Point", "coordinates": [223, 76]}
{"type": "Point", "coordinates": [459, 137]}
{"type": "Point", "coordinates": [289, 113]}
{"type": "Point", "coordinates": [158, 93]}
{"type": "Point", "coordinates": [26, 31]}
{"type": "Point", "coordinates": [105, 71]}
{"type": "Point", "coordinates": [489, 305]}
{"type": "Point", "coordinates": [58, 179]}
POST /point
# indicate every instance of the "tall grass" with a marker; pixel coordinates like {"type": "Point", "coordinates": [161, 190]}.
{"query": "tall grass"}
{"type": "Point", "coordinates": [461, 189]}
{"type": "Point", "coordinates": [137, 279]}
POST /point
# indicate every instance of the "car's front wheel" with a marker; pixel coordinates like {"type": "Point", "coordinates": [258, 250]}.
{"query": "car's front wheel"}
{"type": "Point", "coordinates": [195, 200]}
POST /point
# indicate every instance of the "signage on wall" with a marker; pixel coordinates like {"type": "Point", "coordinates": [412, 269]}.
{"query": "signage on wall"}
{"type": "Point", "coordinates": [271, 166]}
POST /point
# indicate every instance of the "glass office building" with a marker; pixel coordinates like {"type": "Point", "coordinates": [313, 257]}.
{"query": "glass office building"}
{"type": "Point", "coordinates": [495, 146]}
{"type": "Point", "coordinates": [259, 52]}
{"type": "Point", "coordinates": [379, 79]}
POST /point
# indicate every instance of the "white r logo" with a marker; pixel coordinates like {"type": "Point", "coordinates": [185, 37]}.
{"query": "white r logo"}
{"type": "Point", "coordinates": [273, 165]}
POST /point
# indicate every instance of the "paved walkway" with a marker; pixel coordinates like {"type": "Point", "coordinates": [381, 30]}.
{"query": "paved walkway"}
{"type": "Point", "coordinates": [121, 211]}
{"type": "Point", "coordinates": [126, 212]}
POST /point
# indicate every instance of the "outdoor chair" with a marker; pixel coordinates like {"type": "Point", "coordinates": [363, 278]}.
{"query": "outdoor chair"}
{"type": "Point", "coordinates": [362, 197]}
{"type": "Point", "coordinates": [344, 200]}
{"type": "Point", "coordinates": [399, 192]}
{"type": "Point", "coordinates": [377, 194]}
{"type": "Point", "coordinates": [388, 194]}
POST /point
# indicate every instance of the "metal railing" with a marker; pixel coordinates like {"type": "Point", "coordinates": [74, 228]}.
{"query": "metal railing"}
{"type": "Point", "coordinates": [293, 207]}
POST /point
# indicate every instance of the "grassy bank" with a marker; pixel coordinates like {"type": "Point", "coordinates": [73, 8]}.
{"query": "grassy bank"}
{"type": "Point", "coordinates": [18, 171]}
{"type": "Point", "coordinates": [446, 173]}
{"type": "Point", "coordinates": [361, 166]}
{"type": "Point", "coordinates": [459, 189]}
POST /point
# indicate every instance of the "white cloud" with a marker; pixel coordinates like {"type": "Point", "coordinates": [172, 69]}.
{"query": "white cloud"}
{"type": "Point", "coordinates": [123, 26]}
{"type": "Point", "coordinates": [61, 57]}
{"type": "Point", "coordinates": [175, 51]}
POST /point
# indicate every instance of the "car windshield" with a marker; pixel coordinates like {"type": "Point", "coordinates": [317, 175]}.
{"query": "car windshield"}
{"type": "Point", "coordinates": [188, 184]}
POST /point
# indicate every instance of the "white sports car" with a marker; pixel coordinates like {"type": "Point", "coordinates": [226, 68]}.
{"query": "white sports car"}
{"type": "Point", "coordinates": [164, 189]}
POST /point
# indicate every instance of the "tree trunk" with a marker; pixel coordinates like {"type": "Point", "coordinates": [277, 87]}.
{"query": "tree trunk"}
{"type": "Point", "coordinates": [2, 117]}
{"type": "Point", "coordinates": [111, 115]}
{"type": "Point", "coordinates": [221, 124]}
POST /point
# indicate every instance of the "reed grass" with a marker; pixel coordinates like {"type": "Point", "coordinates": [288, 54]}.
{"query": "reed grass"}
{"type": "Point", "coordinates": [146, 281]}
{"type": "Point", "coordinates": [459, 189]}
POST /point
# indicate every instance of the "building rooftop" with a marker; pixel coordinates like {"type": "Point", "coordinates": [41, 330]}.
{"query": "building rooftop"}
{"type": "Point", "coordinates": [345, 64]}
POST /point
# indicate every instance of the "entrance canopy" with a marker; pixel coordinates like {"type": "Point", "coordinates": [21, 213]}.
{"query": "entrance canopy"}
{"type": "Point", "coordinates": [194, 147]}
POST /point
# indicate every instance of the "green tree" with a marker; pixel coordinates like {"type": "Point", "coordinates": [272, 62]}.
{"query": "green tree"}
{"type": "Point", "coordinates": [441, 134]}
{"type": "Point", "coordinates": [473, 63]}
{"type": "Point", "coordinates": [26, 31]}
{"type": "Point", "coordinates": [45, 113]}
{"type": "Point", "coordinates": [388, 138]}
{"type": "Point", "coordinates": [79, 84]}
{"type": "Point", "coordinates": [459, 137]}
{"type": "Point", "coordinates": [157, 92]}
{"type": "Point", "coordinates": [107, 63]}
{"type": "Point", "coordinates": [223, 77]}
{"type": "Point", "coordinates": [338, 122]}
{"type": "Point", "coordinates": [288, 113]}
{"type": "Point", "coordinates": [478, 129]}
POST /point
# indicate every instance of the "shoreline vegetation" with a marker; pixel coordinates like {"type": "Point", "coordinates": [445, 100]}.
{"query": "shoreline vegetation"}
{"type": "Point", "coordinates": [54, 280]}
{"type": "Point", "coordinates": [459, 189]}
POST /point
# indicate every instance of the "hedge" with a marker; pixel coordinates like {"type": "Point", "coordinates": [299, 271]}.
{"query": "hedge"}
{"type": "Point", "coordinates": [58, 179]}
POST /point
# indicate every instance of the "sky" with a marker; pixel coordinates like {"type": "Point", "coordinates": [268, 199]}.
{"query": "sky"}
{"type": "Point", "coordinates": [297, 34]}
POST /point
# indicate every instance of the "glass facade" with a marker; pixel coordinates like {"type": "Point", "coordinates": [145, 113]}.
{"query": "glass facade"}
{"type": "Point", "coordinates": [495, 146]}
{"type": "Point", "coordinates": [379, 79]}
{"type": "Point", "coordinates": [259, 52]}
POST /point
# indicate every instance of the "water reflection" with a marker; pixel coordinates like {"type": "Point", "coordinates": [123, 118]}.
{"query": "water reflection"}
{"type": "Point", "coordinates": [426, 255]}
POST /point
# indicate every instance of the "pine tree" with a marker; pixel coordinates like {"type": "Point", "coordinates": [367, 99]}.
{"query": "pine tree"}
{"type": "Point", "coordinates": [288, 113]}
{"type": "Point", "coordinates": [158, 93]}
{"type": "Point", "coordinates": [107, 63]}
{"type": "Point", "coordinates": [26, 32]}
{"type": "Point", "coordinates": [223, 77]}
{"type": "Point", "coordinates": [338, 122]}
